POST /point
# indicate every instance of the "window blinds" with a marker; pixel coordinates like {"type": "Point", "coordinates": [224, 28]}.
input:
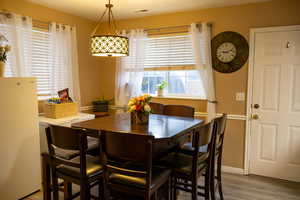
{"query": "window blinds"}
{"type": "Point", "coordinates": [169, 51]}
{"type": "Point", "coordinates": [42, 61]}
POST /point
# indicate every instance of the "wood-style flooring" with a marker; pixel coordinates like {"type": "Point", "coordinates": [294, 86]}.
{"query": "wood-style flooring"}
{"type": "Point", "coordinates": [239, 187]}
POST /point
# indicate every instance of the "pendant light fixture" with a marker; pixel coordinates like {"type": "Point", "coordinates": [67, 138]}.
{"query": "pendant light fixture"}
{"type": "Point", "coordinates": [108, 43]}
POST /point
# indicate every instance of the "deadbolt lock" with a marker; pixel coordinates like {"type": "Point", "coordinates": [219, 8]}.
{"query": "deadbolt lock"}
{"type": "Point", "coordinates": [255, 116]}
{"type": "Point", "coordinates": [256, 106]}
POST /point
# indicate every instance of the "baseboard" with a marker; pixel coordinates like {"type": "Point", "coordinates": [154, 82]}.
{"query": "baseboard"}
{"type": "Point", "coordinates": [232, 170]}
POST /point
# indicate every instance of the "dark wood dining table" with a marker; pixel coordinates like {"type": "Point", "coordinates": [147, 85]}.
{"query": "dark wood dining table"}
{"type": "Point", "coordinates": [168, 132]}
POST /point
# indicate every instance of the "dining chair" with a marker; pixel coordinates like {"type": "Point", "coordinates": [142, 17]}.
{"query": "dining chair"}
{"type": "Point", "coordinates": [188, 167]}
{"type": "Point", "coordinates": [217, 159]}
{"type": "Point", "coordinates": [83, 170]}
{"type": "Point", "coordinates": [179, 110]}
{"type": "Point", "coordinates": [157, 108]}
{"type": "Point", "coordinates": [220, 133]}
{"type": "Point", "coordinates": [134, 175]}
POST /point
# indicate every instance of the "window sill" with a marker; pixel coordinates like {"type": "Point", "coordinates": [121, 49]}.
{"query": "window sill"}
{"type": "Point", "coordinates": [179, 97]}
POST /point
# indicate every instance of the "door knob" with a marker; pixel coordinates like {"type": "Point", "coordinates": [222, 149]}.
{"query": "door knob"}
{"type": "Point", "coordinates": [255, 116]}
{"type": "Point", "coordinates": [256, 106]}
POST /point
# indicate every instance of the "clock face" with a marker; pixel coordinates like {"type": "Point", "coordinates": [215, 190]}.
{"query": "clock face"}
{"type": "Point", "coordinates": [226, 52]}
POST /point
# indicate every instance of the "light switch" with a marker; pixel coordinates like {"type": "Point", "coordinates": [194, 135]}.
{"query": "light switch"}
{"type": "Point", "coordinates": [240, 96]}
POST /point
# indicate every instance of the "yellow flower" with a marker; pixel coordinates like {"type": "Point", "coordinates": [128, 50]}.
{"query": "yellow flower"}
{"type": "Point", "coordinates": [132, 108]}
{"type": "Point", "coordinates": [147, 108]}
{"type": "Point", "coordinates": [131, 102]}
{"type": "Point", "coordinates": [7, 48]}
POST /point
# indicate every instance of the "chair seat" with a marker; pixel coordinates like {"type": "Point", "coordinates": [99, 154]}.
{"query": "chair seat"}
{"type": "Point", "coordinates": [188, 149]}
{"type": "Point", "coordinates": [182, 163]}
{"type": "Point", "coordinates": [93, 167]}
{"type": "Point", "coordinates": [93, 143]}
{"type": "Point", "coordinates": [158, 174]}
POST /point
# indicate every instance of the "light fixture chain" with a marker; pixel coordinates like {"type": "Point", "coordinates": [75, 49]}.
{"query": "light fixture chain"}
{"type": "Point", "coordinates": [114, 22]}
{"type": "Point", "coordinates": [99, 23]}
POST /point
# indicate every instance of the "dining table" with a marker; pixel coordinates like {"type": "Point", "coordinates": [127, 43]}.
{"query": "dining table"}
{"type": "Point", "coordinates": [168, 132]}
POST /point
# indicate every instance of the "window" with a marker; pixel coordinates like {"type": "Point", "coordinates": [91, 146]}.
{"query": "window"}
{"type": "Point", "coordinates": [39, 57]}
{"type": "Point", "coordinates": [171, 59]}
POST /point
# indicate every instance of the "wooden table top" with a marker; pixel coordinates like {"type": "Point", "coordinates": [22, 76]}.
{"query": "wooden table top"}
{"type": "Point", "coordinates": [160, 126]}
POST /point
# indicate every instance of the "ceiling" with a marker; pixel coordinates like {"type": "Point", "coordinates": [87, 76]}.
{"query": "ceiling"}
{"type": "Point", "coordinates": [123, 9]}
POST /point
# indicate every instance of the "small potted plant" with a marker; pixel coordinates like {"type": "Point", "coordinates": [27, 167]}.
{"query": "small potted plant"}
{"type": "Point", "coordinates": [101, 105]}
{"type": "Point", "coordinates": [160, 88]}
{"type": "Point", "coordinates": [140, 109]}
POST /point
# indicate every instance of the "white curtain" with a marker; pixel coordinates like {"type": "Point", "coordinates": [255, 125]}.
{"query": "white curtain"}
{"type": "Point", "coordinates": [18, 31]}
{"type": "Point", "coordinates": [65, 73]}
{"type": "Point", "coordinates": [201, 40]}
{"type": "Point", "coordinates": [129, 72]}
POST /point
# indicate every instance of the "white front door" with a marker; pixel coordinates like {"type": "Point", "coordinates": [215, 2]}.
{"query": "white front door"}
{"type": "Point", "coordinates": [275, 123]}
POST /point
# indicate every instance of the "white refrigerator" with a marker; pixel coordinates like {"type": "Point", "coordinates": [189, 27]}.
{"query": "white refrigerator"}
{"type": "Point", "coordinates": [20, 172]}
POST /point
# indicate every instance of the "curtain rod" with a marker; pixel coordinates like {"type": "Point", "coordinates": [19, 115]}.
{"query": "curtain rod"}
{"type": "Point", "coordinates": [169, 28]}
{"type": "Point", "coordinates": [174, 27]}
{"type": "Point", "coordinates": [8, 14]}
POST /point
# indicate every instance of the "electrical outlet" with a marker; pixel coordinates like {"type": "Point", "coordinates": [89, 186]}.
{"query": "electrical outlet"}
{"type": "Point", "coordinates": [240, 96]}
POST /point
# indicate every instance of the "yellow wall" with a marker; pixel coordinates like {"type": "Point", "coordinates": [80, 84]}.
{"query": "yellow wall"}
{"type": "Point", "coordinates": [235, 18]}
{"type": "Point", "coordinates": [97, 75]}
{"type": "Point", "coordinates": [89, 69]}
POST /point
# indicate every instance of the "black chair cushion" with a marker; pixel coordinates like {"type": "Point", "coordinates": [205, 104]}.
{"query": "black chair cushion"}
{"type": "Point", "coordinates": [182, 163]}
{"type": "Point", "coordinates": [93, 167]}
{"type": "Point", "coordinates": [93, 143]}
{"type": "Point", "coordinates": [158, 174]}
{"type": "Point", "coordinates": [188, 149]}
{"type": "Point", "coordinates": [66, 154]}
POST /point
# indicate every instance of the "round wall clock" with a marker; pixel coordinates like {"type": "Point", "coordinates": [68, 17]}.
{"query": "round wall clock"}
{"type": "Point", "coordinates": [230, 51]}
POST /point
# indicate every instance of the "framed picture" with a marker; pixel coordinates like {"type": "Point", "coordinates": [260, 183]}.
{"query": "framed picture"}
{"type": "Point", "coordinates": [64, 94]}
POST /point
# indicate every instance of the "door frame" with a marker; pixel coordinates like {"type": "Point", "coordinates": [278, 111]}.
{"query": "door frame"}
{"type": "Point", "coordinates": [248, 138]}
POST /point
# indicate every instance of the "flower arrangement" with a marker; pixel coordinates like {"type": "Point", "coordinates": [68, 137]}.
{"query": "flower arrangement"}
{"type": "Point", "coordinates": [3, 52]}
{"type": "Point", "coordinates": [140, 109]}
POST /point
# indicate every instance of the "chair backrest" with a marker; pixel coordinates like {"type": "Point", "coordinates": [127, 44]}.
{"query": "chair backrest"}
{"type": "Point", "coordinates": [127, 147]}
{"type": "Point", "coordinates": [157, 108]}
{"type": "Point", "coordinates": [204, 135]}
{"type": "Point", "coordinates": [67, 138]}
{"type": "Point", "coordinates": [221, 126]}
{"type": "Point", "coordinates": [63, 137]}
{"type": "Point", "coordinates": [179, 110]}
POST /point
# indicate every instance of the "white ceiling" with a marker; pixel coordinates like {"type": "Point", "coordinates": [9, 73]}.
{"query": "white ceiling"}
{"type": "Point", "coordinates": [123, 9]}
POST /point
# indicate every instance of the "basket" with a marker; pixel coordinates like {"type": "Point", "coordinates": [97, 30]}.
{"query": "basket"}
{"type": "Point", "coordinates": [56, 111]}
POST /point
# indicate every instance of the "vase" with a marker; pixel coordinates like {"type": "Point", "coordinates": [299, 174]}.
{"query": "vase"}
{"type": "Point", "coordinates": [2, 69]}
{"type": "Point", "coordinates": [140, 118]}
{"type": "Point", "coordinates": [160, 93]}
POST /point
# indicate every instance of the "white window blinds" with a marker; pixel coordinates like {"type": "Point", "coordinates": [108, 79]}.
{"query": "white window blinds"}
{"type": "Point", "coordinates": [169, 51]}
{"type": "Point", "coordinates": [41, 61]}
